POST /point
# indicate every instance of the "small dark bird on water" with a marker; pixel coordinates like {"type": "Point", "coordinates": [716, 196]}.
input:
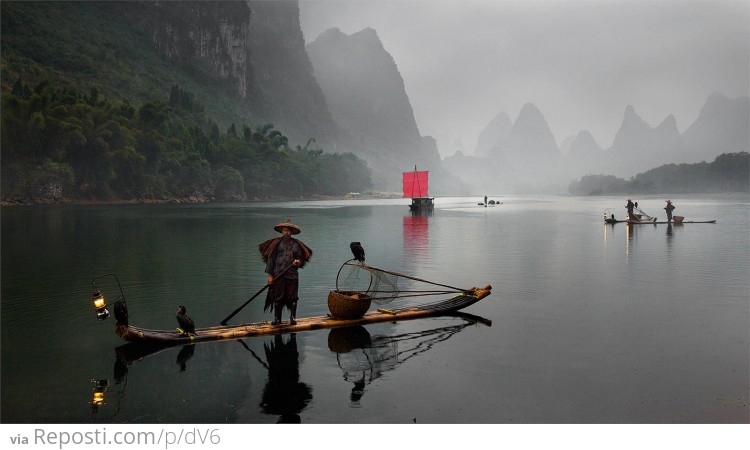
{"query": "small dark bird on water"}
{"type": "Point", "coordinates": [357, 251]}
{"type": "Point", "coordinates": [186, 323]}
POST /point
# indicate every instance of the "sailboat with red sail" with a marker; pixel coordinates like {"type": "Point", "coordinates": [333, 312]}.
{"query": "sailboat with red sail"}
{"type": "Point", "coordinates": [416, 187]}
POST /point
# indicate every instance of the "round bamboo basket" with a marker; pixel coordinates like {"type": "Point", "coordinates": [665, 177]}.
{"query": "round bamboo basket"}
{"type": "Point", "coordinates": [678, 219]}
{"type": "Point", "coordinates": [348, 305]}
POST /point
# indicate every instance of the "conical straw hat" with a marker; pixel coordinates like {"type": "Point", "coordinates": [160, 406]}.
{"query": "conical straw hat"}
{"type": "Point", "coordinates": [295, 229]}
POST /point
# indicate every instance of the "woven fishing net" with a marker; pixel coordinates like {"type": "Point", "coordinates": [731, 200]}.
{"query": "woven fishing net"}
{"type": "Point", "coordinates": [355, 276]}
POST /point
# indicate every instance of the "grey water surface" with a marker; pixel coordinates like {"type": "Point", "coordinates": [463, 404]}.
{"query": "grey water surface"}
{"type": "Point", "coordinates": [587, 322]}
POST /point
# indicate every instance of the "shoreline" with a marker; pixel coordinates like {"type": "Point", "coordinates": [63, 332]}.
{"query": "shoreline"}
{"type": "Point", "coordinates": [740, 196]}
{"type": "Point", "coordinates": [198, 200]}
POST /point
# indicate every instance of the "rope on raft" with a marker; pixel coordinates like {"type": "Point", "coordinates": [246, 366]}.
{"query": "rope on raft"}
{"type": "Point", "coordinates": [454, 289]}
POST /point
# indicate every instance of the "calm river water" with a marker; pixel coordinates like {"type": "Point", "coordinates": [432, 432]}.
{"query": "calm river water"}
{"type": "Point", "coordinates": [587, 323]}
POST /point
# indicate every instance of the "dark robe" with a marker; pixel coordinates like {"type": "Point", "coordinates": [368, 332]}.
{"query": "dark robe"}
{"type": "Point", "coordinates": [278, 254]}
{"type": "Point", "coordinates": [669, 208]}
{"type": "Point", "coordinates": [630, 207]}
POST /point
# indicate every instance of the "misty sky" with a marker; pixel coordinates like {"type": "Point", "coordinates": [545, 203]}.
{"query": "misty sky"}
{"type": "Point", "coordinates": [580, 62]}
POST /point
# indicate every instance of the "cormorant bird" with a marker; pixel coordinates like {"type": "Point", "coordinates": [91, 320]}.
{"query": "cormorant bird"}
{"type": "Point", "coordinates": [186, 323]}
{"type": "Point", "coordinates": [357, 251]}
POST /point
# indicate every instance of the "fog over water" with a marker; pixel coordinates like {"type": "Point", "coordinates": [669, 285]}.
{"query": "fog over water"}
{"type": "Point", "coordinates": [580, 62]}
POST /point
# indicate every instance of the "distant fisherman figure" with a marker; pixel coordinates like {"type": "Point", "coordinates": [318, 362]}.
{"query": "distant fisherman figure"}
{"type": "Point", "coordinates": [629, 206]}
{"type": "Point", "coordinates": [669, 208]}
{"type": "Point", "coordinates": [283, 256]}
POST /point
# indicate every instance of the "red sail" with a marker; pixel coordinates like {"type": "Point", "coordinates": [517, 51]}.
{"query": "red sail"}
{"type": "Point", "coordinates": [415, 184]}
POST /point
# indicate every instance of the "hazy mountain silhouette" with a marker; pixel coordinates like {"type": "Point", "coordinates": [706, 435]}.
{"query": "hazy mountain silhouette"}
{"type": "Point", "coordinates": [721, 127]}
{"type": "Point", "coordinates": [584, 154]}
{"type": "Point", "coordinates": [638, 147]}
{"type": "Point", "coordinates": [482, 175]}
{"type": "Point", "coordinates": [566, 143]}
{"type": "Point", "coordinates": [367, 99]}
{"type": "Point", "coordinates": [529, 149]}
{"type": "Point", "coordinates": [530, 136]}
{"type": "Point", "coordinates": [494, 135]}
{"type": "Point", "coordinates": [518, 157]}
{"type": "Point", "coordinates": [584, 147]}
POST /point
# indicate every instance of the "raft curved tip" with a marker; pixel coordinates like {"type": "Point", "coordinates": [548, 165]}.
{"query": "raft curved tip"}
{"type": "Point", "coordinates": [485, 288]}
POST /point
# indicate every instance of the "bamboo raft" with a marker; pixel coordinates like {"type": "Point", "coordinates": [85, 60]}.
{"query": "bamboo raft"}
{"type": "Point", "coordinates": [132, 333]}
{"type": "Point", "coordinates": [632, 222]}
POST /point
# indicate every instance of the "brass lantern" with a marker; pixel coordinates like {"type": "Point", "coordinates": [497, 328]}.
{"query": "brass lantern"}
{"type": "Point", "coordinates": [100, 305]}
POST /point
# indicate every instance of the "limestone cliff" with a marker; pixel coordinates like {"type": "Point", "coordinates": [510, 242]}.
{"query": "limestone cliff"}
{"type": "Point", "coordinates": [255, 48]}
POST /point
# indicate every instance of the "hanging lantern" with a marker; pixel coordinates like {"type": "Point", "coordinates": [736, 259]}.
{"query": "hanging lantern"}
{"type": "Point", "coordinates": [100, 306]}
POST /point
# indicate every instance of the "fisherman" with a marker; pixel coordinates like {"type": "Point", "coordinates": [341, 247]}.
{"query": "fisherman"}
{"type": "Point", "coordinates": [669, 208]}
{"type": "Point", "coordinates": [283, 257]}
{"type": "Point", "coordinates": [630, 207]}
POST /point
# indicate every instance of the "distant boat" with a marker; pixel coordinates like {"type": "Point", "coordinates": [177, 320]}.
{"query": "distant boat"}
{"type": "Point", "coordinates": [609, 217]}
{"type": "Point", "coordinates": [416, 187]}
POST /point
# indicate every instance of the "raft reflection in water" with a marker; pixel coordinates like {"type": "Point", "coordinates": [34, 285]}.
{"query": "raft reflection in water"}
{"type": "Point", "coordinates": [364, 359]}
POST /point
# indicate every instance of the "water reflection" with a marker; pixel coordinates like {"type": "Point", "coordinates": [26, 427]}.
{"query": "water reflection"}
{"type": "Point", "coordinates": [100, 388]}
{"type": "Point", "coordinates": [132, 352]}
{"type": "Point", "coordinates": [364, 359]}
{"type": "Point", "coordinates": [632, 237]}
{"type": "Point", "coordinates": [283, 395]}
{"type": "Point", "coordinates": [125, 355]}
{"type": "Point", "coordinates": [416, 231]}
{"type": "Point", "coordinates": [606, 229]}
{"type": "Point", "coordinates": [349, 344]}
{"type": "Point", "coordinates": [186, 352]}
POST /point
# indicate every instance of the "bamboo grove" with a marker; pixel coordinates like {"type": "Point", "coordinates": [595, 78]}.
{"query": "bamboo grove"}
{"type": "Point", "coordinates": [64, 145]}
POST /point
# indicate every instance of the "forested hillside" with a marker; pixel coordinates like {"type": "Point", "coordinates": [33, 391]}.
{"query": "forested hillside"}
{"type": "Point", "coordinates": [93, 111]}
{"type": "Point", "coordinates": [729, 172]}
{"type": "Point", "coordinates": [61, 144]}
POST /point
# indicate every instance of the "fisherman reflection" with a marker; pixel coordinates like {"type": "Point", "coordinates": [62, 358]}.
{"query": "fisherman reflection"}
{"type": "Point", "coordinates": [186, 352]}
{"type": "Point", "coordinates": [284, 394]}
